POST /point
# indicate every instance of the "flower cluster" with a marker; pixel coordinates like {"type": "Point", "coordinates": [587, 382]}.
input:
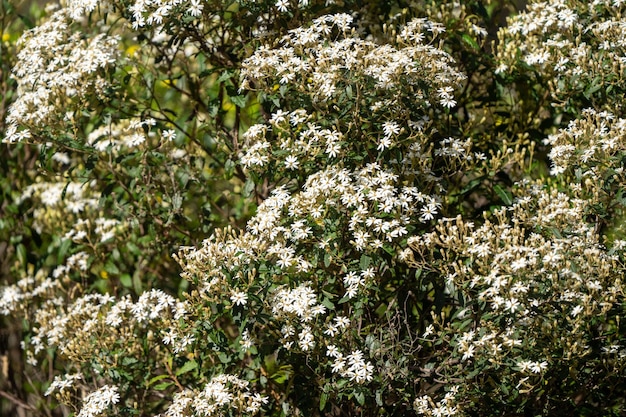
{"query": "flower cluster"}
{"type": "Point", "coordinates": [55, 69]}
{"type": "Point", "coordinates": [144, 12]}
{"type": "Point", "coordinates": [301, 233]}
{"type": "Point", "coordinates": [588, 154]}
{"type": "Point", "coordinates": [97, 402]}
{"type": "Point", "coordinates": [591, 143]}
{"type": "Point", "coordinates": [425, 405]}
{"type": "Point", "coordinates": [536, 275]}
{"type": "Point", "coordinates": [58, 205]}
{"type": "Point", "coordinates": [285, 6]}
{"type": "Point", "coordinates": [329, 67]}
{"type": "Point", "coordinates": [61, 384]}
{"type": "Point", "coordinates": [209, 266]}
{"type": "Point", "coordinates": [300, 60]}
{"type": "Point", "coordinates": [73, 210]}
{"type": "Point", "coordinates": [108, 323]}
{"type": "Point", "coordinates": [578, 46]}
{"type": "Point", "coordinates": [294, 141]}
{"type": "Point", "coordinates": [297, 307]}
{"type": "Point", "coordinates": [374, 208]}
{"type": "Point", "coordinates": [17, 297]}
{"type": "Point", "coordinates": [127, 133]}
{"type": "Point", "coordinates": [351, 366]}
{"type": "Point", "coordinates": [222, 394]}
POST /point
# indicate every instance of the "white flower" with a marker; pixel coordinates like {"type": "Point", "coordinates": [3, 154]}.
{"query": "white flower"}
{"type": "Point", "coordinates": [282, 5]}
{"type": "Point", "coordinates": [169, 337]}
{"type": "Point", "coordinates": [391, 128]}
{"type": "Point", "coordinates": [448, 102]}
{"type": "Point", "coordinates": [469, 353]}
{"type": "Point", "coordinates": [61, 383]}
{"type": "Point", "coordinates": [61, 157]}
{"type": "Point", "coordinates": [332, 351]}
{"type": "Point", "coordinates": [537, 367]}
{"type": "Point", "coordinates": [195, 8]}
{"type": "Point", "coordinates": [576, 310]}
{"type": "Point", "coordinates": [512, 305]}
{"type": "Point", "coordinates": [239, 298]}
{"type": "Point", "coordinates": [246, 340]}
{"type": "Point", "coordinates": [169, 135]}
{"type": "Point", "coordinates": [291, 162]}
{"type": "Point", "coordinates": [333, 150]}
{"type": "Point", "coordinates": [383, 144]}
{"type": "Point", "coordinates": [428, 213]}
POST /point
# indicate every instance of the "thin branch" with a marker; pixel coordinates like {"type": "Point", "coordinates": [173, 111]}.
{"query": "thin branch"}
{"type": "Point", "coordinates": [17, 401]}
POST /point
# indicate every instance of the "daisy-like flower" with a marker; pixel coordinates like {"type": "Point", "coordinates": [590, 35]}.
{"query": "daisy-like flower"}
{"type": "Point", "coordinates": [239, 298]}
{"type": "Point", "coordinates": [391, 128]}
{"type": "Point", "coordinates": [282, 6]}
{"type": "Point", "coordinates": [383, 144]}
{"type": "Point", "coordinates": [448, 102]}
{"type": "Point", "coordinates": [169, 134]}
{"type": "Point", "coordinates": [291, 162]}
{"type": "Point", "coordinates": [332, 351]}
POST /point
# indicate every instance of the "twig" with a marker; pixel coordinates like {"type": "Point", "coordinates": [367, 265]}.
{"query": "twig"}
{"type": "Point", "coordinates": [16, 401]}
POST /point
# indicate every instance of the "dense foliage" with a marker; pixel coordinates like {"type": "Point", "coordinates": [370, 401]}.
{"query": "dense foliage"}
{"type": "Point", "coordinates": [240, 207]}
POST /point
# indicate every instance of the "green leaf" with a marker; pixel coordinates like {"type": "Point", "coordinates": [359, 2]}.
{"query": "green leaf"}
{"type": "Point", "coordinates": [134, 249]}
{"type": "Point", "coordinates": [364, 263]}
{"type": "Point", "coordinates": [126, 281]}
{"type": "Point", "coordinates": [462, 325]}
{"type": "Point", "coordinates": [65, 246]}
{"type": "Point", "coordinates": [471, 186]}
{"type": "Point", "coordinates": [162, 386]}
{"type": "Point", "coordinates": [359, 397]}
{"type": "Point", "coordinates": [229, 169]}
{"type": "Point", "coordinates": [239, 101]}
{"type": "Point", "coordinates": [344, 300]}
{"type": "Point", "coordinates": [21, 254]}
{"type": "Point", "coordinates": [111, 268]}
{"type": "Point", "coordinates": [156, 379]}
{"type": "Point", "coordinates": [328, 304]}
{"type": "Point", "coordinates": [129, 361]}
{"type": "Point", "coordinates": [226, 75]}
{"type": "Point", "coordinates": [28, 23]}
{"type": "Point", "coordinates": [188, 366]}
{"type": "Point", "coordinates": [327, 259]}
{"type": "Point", "coordinates": [282, 375]}
{"type": "Point", "coordinates": [470, 41]}
{"type": "Point", "coordinates": [248, 188]}
{"type": "Point", "coordinates": [137, 284]}
{"type": "Point", "coordinates": [594, 86]}
{"type": "Point", "coordinates": [323, 399]}
{"type": "Point", "coordinates": [506, 196]}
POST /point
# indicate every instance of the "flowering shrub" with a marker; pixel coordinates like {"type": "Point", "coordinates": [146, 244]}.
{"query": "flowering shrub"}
{"type": "Point", "coordinates": [313, 208]}
{"type": "Point", "coordinates": [574, 49]}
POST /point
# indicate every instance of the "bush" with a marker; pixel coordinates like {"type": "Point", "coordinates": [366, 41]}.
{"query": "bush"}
{"type": "Point", "coordinates": [314, 208]}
